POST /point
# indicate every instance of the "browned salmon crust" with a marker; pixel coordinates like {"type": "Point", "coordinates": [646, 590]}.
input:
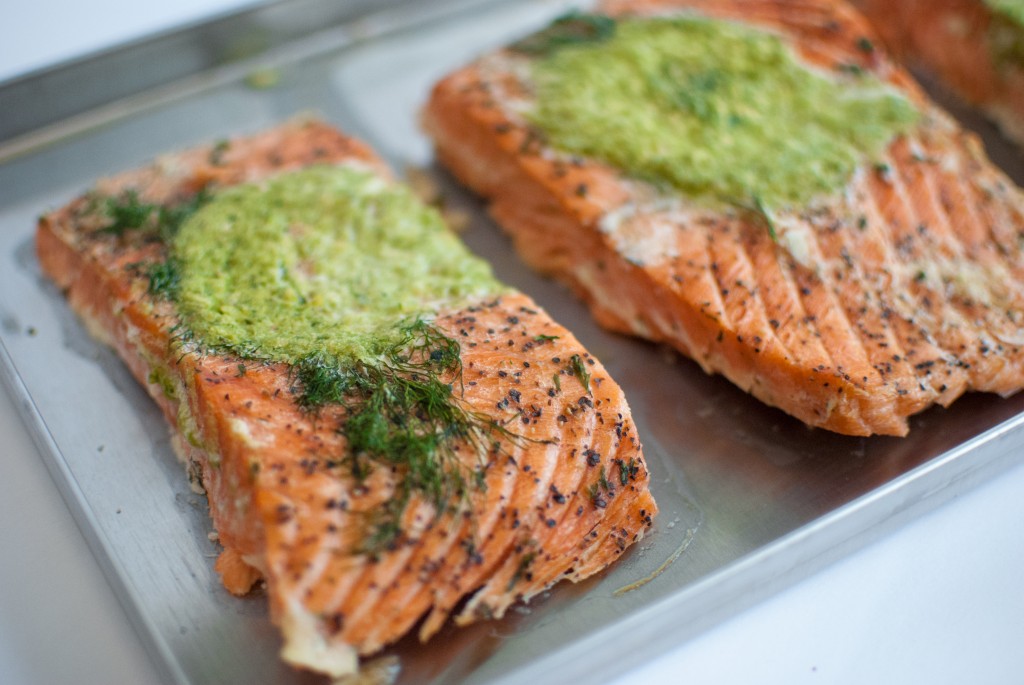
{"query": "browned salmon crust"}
{"type": "Point", "coordinates": [564, 496]}
{"type": "Point", "coordinates": [903, 291]}
{"type": "Point", "coordinates": [966, 44]}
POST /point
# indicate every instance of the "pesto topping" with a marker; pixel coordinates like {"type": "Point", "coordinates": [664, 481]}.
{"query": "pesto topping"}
{"type": "Point", "coordinates": [719, 111]}
{"type": "Point", "coordinates": [320, 261]}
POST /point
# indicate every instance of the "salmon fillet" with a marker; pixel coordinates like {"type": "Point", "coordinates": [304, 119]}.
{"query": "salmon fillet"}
{"type": "Point", "coordinates": [562, 487]}
{"type": "Point", "coordinates": [902, 291]}
{"type": "Point", "coordinates": [970, 45]}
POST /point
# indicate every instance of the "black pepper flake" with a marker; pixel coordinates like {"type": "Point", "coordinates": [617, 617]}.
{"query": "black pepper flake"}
{"type": "Point", "coordinates": [334, 622]}
{"type": "Point", "coordinates": [557, 496]}
{"type": "Point", "coordinates": [284, 514]}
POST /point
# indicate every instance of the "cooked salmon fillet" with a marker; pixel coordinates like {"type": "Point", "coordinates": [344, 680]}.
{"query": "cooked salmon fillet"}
{"type": "Point", "coordinates": [902, 291]}
{"type": "Point", "coordinates": [564, 487]}
{"type": "Point", "coordinates": [971, 45]}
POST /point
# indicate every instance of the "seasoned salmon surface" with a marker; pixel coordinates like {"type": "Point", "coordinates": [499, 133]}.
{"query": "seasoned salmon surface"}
{"type": "Point", "coordinates": [865, 306]}
{"type": "Point", "coordinates": [973, 46]}
{"type": "Point", "coordinates": [556, 485]}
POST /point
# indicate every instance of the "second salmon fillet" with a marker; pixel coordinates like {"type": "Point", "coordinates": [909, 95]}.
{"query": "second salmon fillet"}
{"type": "Point", "coordinates": [766, 192]}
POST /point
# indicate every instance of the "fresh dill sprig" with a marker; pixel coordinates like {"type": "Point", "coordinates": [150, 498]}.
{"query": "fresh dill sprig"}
{"type": "Point", "coordinates": [403, 413]}
{"type": "Point", "coordinates": [164, 279]}
{"type": "Point", "coordinates": [127, 212]}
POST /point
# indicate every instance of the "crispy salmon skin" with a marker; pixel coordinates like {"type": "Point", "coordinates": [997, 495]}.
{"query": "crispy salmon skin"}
{"type": "Point", "coordinates": [852, 312]}
{"type": "Point", "coordinates": [976, 47]}
{"type": "Point", "coordinates": [552, 481]}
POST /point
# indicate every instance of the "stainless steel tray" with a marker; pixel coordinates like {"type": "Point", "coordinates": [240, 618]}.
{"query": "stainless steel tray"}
{"type": "Point", "coordinates": [753, 498]}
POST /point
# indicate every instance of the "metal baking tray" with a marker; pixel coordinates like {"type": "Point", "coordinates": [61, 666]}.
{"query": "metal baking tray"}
{"type": "Point", "coordinates": [752, 498]}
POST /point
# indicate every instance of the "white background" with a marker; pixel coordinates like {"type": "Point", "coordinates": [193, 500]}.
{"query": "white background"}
{"type": "Point", "coordinates": [937, 601]}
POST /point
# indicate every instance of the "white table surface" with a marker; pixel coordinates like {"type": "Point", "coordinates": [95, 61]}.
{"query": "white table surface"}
{"type": "Point", "coordinates": [938, 600]}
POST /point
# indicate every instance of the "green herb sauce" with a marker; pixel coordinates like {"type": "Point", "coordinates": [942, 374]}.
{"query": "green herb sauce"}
{"type": "Point", "coordinates": [325, 261]}
{"type": "Point", "coordinates": [716, 110]}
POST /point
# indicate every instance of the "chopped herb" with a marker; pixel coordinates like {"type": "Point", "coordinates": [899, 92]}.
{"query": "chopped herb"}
{"type": "Point", "coordinates": [557, 381]}
{"type": "Point", "coordinates": [544, 338]}
{"type": "Point", "coordinates": [627, 472]}
{"type": "Point", "coordinates": [164, 279]}
{"type": "Point", "coordinates": [623, 471]}
{"type": "Point", "coordinates": [218, 151]}
{"type": "Point", "coordinates": [171, 217]}
{"type": "Point", "coordinates": [580, 371]}
{"type": "Point", "coordinates": [864, 44]}
{"type": "Point", "coordinates": [126, 212]}
{"type": "Point", "coordinates": [574, 28]}
{"type": "Point", "coordinates": [521, 569]}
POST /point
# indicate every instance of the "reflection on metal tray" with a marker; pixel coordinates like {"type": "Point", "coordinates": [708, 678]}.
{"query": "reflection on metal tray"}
{"type": "Point", "coordinates": [756, 499]}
